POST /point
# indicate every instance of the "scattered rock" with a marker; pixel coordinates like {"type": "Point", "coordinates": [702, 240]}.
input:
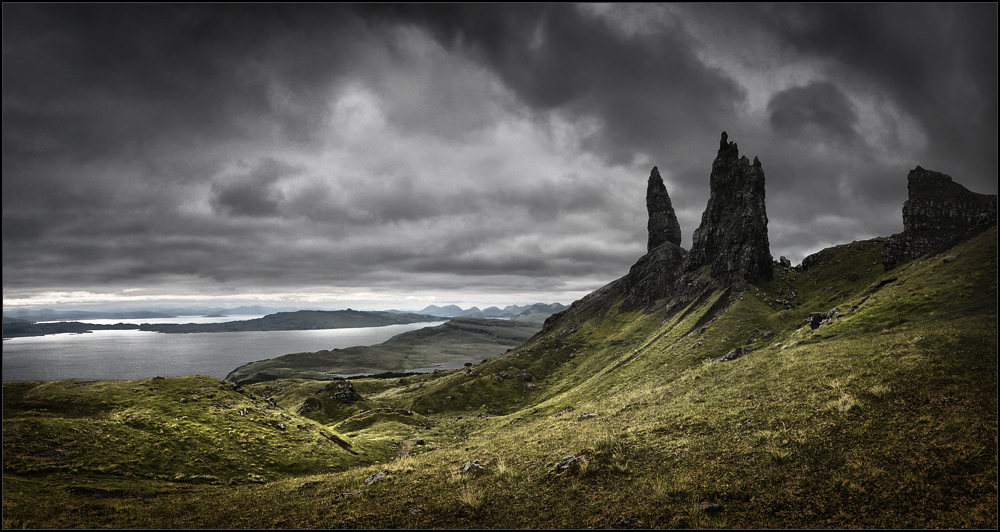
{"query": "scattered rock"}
{"type": "Point", "coordinates": [251, 396]}
{"type": "Point", "coordinates": [950, 258]}
{"type": "Point", "coordinates": [345, 496]}
{"type": "Point", "coordinates": [472, 465]}
{"type": "Point", "coordinates": [376, 477]}
{"type": "Point", "coordinates": [308, 484]}
{"type": "Point", "coordinates": [585, 416]}
{"type": "Point", "coordinates": [311, 404]}
{"type": "Point", "coordinates": [570, 461]}
{"type": "Point", "coordinates": [816, 319]}
{"type": "Point", "coordinates": [415, 511]}
{"type": "Point", "coordinates": [526, 377]}
{"type": "Point", "coordinates": [732, 355]}
{"type": "Point", "coordinates": [710, 508]}
{"type": "Point", "coordinates": [343, 391]}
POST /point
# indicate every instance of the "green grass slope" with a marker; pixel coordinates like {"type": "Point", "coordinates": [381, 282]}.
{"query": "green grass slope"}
{"type": "Point", "coordinates": [883, 417]}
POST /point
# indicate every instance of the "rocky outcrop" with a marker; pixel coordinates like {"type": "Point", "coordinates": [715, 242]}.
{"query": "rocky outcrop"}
{"type": "Point", "coordinates": [732, 241]}
{"type": "Point", "coordinates": [653, 277]}
{"type": "Point", "coordinates": [937, 215]}
{"type": "Point", "coordinates": [732, 238]}
{"type": "Point", "coordinates": [343, 391]}
{"type": "Point", "coordinates": [662, 225]}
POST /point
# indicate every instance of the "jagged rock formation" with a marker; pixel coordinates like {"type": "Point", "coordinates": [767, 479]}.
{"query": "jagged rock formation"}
{"type": "Point", "coordinates": [662, 226]}
{"type": "Point", "coordinates": [654, 276]}
{"type": "Point", "coordinates": [937, 215]}
{"type": "Point", "coordinates": [732, 237]}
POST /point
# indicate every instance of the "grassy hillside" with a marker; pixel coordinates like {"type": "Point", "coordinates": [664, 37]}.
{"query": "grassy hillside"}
{"type": "Point", "coordinates": [885, 416]}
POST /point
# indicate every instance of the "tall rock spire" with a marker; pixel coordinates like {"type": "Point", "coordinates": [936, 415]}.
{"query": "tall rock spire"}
{"type": "Point", "coordinates": [732, 237]}
{"type": "Point", "coordinates": [663, 226]}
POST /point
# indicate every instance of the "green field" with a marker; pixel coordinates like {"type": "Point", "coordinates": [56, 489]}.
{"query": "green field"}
{"type": "Point", "coordinates": [885, 417]}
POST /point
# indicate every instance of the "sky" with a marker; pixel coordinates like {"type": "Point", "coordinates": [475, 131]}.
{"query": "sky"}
{"type": "Point", "coordinates": [397, 156]}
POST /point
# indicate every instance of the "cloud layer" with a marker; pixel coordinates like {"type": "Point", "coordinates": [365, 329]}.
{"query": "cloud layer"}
{"type": "Point", "coordinates": [457, 152]}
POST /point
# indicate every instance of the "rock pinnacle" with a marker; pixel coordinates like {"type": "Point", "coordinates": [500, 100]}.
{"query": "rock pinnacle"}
{"type": "Point", "coordinates": [663, 226]}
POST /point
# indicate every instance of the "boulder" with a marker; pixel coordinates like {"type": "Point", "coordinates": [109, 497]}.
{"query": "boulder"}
{"type": "Point", "coordinates": [816, 319]}
{"type": "Point", "coordinates": [569, 461]}
{"type": "Point", "coordinates": [710, 508]}
{"type": "Point", "coordinates": [733, 355]}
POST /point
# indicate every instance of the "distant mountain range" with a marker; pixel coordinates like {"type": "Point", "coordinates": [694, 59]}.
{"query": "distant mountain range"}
{"type": "Point", "coordinates": [510, 311]}
{"type": "Point", "coordinates": [450, 311]}
{"type": "Point", "coordinates": [34, 315]}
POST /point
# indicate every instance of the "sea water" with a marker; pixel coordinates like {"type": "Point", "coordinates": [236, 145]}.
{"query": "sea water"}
{"type": "Point", "coordinates": [134, 355]}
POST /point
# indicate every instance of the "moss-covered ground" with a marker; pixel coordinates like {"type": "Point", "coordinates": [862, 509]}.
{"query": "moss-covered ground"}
{"type": "Point", "coordinates": [885, 417]}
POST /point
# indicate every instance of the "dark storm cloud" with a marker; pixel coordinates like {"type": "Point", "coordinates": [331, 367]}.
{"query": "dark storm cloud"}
{"type": "Point", "coordinates": [819, 105]}
{"type": "Point", "coordinates": [253, 193]}
{"type": "Point", "coordinates": [442, 147]}
{"type": "Point", "coordinates": [644, 90]}
{"type": "Point", "coordinates": [938, 60]}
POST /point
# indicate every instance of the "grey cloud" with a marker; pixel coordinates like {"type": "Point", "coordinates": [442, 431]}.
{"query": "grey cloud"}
{"type": "Point", "coordinates": [252, 194]}
{"type": "Point", "coordinates": [644, 89]}
{"type": "Point", "coordinates": [124, 127]}
{"type": "Point", "coordinates": [938, 60]}
{"type": "Point", "coordinates": [819, 105]}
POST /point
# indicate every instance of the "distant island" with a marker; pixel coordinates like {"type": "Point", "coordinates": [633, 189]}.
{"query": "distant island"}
{"type": "Point", "coordinates": [282, 321]}
{"type": "Point", "coordinates": [458, 340]}
{"type": "Point", "coordinates": [302, 320]}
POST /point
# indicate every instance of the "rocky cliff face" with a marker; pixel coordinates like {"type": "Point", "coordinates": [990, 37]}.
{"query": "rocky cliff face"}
{"type": "Point", "coordinates": [732, 241]}
{"type": "Point", "coordinates": [654, 276]}
{"type": "Point", "coordinates": [732, 237]}
{"type": "Point", "coordinates": [662, 226]}
{"type": "Point", "coordinates": [937, 215]}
